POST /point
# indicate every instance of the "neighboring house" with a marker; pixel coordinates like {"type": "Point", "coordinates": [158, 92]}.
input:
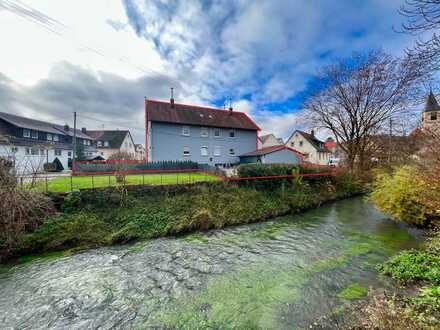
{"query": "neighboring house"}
{"type": "Point", "coordinates": [431, 115]}
{"type": "Point", "coordinates": [269, 140]}
{"type": "Point", "coordinates": [31, 143]}
{"type": "Point", "coordinates": [109, 142]}
{"type": "Point", "coordinates": [140, 152]}
{"type": "Point", "coordinates": [199, 134]}
{"type": "Point", "coordinates": [314, 150]}
{"type": "Point", "coordinates": [273, 155]}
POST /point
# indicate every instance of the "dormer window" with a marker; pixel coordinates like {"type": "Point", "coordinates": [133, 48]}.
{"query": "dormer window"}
{"type": "Point", "coordinates": [26, 133]}
{"type": "Point", "coordinates": [34, 134]}
{"type": "Point", "coordinates": [185, 130]}
{"type": "Point", "coordinates": [433, 115]}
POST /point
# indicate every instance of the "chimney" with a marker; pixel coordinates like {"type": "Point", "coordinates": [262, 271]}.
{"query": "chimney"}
{"type": "Point", "coordinates": [172, 98]}
{"type": "Point", "coordinates": [84, 130]}
{"type": "Point", "coordinates": [312, 133]}
{"type": "Point", "coordinates": [230, 105]}
{"type": "Point", "coordinates": [66, 127]}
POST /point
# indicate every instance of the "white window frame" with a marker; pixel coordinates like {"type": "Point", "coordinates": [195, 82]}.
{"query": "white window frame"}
{"type": "Point", "coordinates": [28, 151]}
{"type": "Point", "coordinates": [204, 148]}
{"type": "Point", "coordinates": [186, 130]}
{"type": "Point", "coordinates": [217, 151]}
{"type": "Point", "coordinates": [204, 132]}
{"type": "Point", "coordinates": [58, 152]}
{"type": "Point", "coordinates": [106, 144]}
{"type": "Point", "coordinates": [99, 144]}
{"type": "Point", "coordinates": [219, 132]}
{"type": "Point", "coordinates": [233, 152]}
{"type": "Point", "coordinates": [186, 151]}
{"type": "Point", "coordinates": [49, 137]}
{"type": "Point", "coordinates": [56, 138]}
{"type": "Point", "coordinates": [233, 132]}
{"type": "Point", "coordinates": [14, 150]}
{"type": "Point", "coordinates": [34, 151]}
{"type": "Point", "coordinates": [34, 134]}
{"type": "Point", "coordinates": [26, 133]}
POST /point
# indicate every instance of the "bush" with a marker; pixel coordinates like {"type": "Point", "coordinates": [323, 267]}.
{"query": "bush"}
{"type": "Point", "coordinates": [49, 167]}
{"type": "Point", "coordinates": [401, 195]}
{"type": "Point", "coordinates": [413, 266]}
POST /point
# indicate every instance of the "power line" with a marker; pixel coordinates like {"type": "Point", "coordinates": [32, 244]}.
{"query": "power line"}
{"type": "Point", "coordinates": [60, 29]}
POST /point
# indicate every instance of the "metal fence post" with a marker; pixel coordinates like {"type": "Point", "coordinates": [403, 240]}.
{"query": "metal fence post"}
{"type": "Point", "coordinates": [21, 182]}
{"type": "Point", "coordinates": [47, 188]}
{"type": "Point", "coordinates": [177, 176]}
{"type": "Point", "coordinates": [161, 178]}
{"type": "Point", "coordinates": [109, 181]}
{"type": "Point", "coordinates": [143, 179]}
{"type": "Point", "coordinates": [71, 182]}
{"type": "Point", "coordinates": [93, 182]}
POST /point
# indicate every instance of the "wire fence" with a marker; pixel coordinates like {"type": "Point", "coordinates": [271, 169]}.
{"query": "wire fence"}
{"type": "Point", "coordinates": [62, 183]}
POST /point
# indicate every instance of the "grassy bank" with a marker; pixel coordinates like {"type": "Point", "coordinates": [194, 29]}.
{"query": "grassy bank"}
{"type": "Point", "coordinates": [98, 219]}
{"type": "Point", "coordinates": [67, 183]}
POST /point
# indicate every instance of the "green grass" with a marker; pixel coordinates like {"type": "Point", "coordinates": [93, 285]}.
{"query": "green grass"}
{"type": "Point", "coordinates": [67, 183]}
{"type": "Point", "coordinates": [353, 291]}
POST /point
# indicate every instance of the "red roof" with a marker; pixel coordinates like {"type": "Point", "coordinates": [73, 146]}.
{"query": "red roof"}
{"type": "Point", "coordinates": [269, 150]}
{"type": "Point", "coordinates": [161, 111]}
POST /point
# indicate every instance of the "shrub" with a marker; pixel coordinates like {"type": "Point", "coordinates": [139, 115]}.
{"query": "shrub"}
{"type": "Point", "coordinates": [400, 194]}
{"type": "Point", "coordinates": [413, 266]}
{"type": "Point", "coordinates": [49, 167]}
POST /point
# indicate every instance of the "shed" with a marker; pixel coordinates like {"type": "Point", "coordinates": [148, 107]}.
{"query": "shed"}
{"type": "Point", "coordinates": [273, 155]}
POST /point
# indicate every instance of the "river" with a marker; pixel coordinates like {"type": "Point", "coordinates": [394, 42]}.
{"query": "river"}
{"type": "Point", "coordinates": [280, 274]}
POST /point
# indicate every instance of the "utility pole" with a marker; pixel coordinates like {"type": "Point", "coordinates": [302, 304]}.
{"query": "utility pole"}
{"type": "Point", "coordinates": [74, 140]}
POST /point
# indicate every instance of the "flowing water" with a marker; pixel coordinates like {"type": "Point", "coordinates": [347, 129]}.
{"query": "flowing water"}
{"type": "Point", "coordinates": [281, 274]}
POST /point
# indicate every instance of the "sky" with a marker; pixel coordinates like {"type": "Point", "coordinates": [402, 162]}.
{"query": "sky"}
{"type": "Point", "coordinates": [101, 58]}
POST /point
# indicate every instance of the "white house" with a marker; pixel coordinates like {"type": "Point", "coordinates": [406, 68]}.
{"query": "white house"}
{"type": "Point", "coordinates": [31, 143]}
{"type": "Point", "coordinates": [314, 150]}
{"type": "Point", "coordinates": [109, 142]}
{"type": "Point", "coordinates": [269, 140]}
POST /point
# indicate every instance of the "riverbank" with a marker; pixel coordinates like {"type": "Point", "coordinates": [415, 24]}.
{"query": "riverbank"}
{"type": "Point", "coordinates": [91, 219]}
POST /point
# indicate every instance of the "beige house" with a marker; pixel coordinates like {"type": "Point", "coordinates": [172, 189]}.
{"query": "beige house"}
{"type": "Point", "coordinates": [314, 150]}
{"type": "Point", "coordinates": [110, 142]}
{"type": "Point", "coordinates": [269, 140]}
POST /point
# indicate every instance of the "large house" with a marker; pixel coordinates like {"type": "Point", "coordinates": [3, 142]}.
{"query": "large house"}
{"type": "Point", "coordinates": [314, 150]}
{"type": "Point", "coordinates": [31, 143]}
{"type": "Point", "coordinates": [110, 142]}
{"type": "Point", "coordinates": [269, 140]}
{"type": "Point", "coordinates": [200, 134]}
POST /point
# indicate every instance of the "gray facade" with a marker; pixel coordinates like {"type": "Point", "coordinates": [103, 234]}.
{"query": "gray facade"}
{"type": "Point", "coordinates": [205, 145]}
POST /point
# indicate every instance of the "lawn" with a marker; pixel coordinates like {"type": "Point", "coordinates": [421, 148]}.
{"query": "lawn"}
{"type": "Point", "coordinates": [68, 183]}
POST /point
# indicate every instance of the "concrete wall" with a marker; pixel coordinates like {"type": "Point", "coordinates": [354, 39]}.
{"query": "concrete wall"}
{"type": "Point", "coordinates": [166, 142]}
{"type": "Point", "coordinates": [298, 142]}
{"type": "Point", "coordinates": [284, 156]}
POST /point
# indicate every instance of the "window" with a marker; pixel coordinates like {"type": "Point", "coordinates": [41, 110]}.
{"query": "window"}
{"type": "Point", "coordinates": [231, 133]}
{"type": "Point", "coordinates": [69, 154]}
{"type": "Point", "coordinates": [186, 151]}
{"type": "Point", "coordinates": [34, 151]}
{"type": "Point", "coordinates": [204, 132]}
{"type": "Point", "coordinates": [42, 152]}
{"type": "Point", "coordinates": [28, 151]}
{"type": "Point", "coordinates": [56, 138]}
{"type": "Point", "coordinates": [300, 143]}
{"type": "Point", "coordinates": [232, 152]}
{"type": "Point", "coordinates": [217, 151]}
{"type": "Point", "coordinates": [49, 137]}
{"type": "Point", "coordinates": [99, 143]}
{"type": "Point", "coordinates": [204, 151]}
{"type": "Point", "coordinates": [292, 144]}
{"type": "Point", "coordinates": [126, 144]}
{"type": "Point", "coordinates": [14, 150]}
{"type": "Point", "coordinates": [217, 132]}
{"type": "Point", "coordinates": [34, 134]}
{"type": "Point", "coordinates": [58, 152]}
{"type": "Point", "coordinates": [26, 133]}
{"type": "Point", "coordinates": [185, 130]}
{"type": "Point", "coordinates": [433, 115]}
{"type": "Point", "coordinates": [85, 142]}
{"type": "Point", "coordinates": [105, 143]}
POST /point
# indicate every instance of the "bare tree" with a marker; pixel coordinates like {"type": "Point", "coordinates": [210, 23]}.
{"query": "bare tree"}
{"type": "Point", "coordinates": [423, 17]}
{"type": "Point", "coordinates": [359, 96]}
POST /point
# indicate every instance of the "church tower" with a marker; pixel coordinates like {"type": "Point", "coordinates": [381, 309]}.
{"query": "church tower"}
{"type": "Point", "coordinates": [431, 114]}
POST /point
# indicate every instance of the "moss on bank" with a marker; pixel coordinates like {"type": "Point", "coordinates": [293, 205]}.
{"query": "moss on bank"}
{"type": "Point", "coordinates": [93, 220]}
